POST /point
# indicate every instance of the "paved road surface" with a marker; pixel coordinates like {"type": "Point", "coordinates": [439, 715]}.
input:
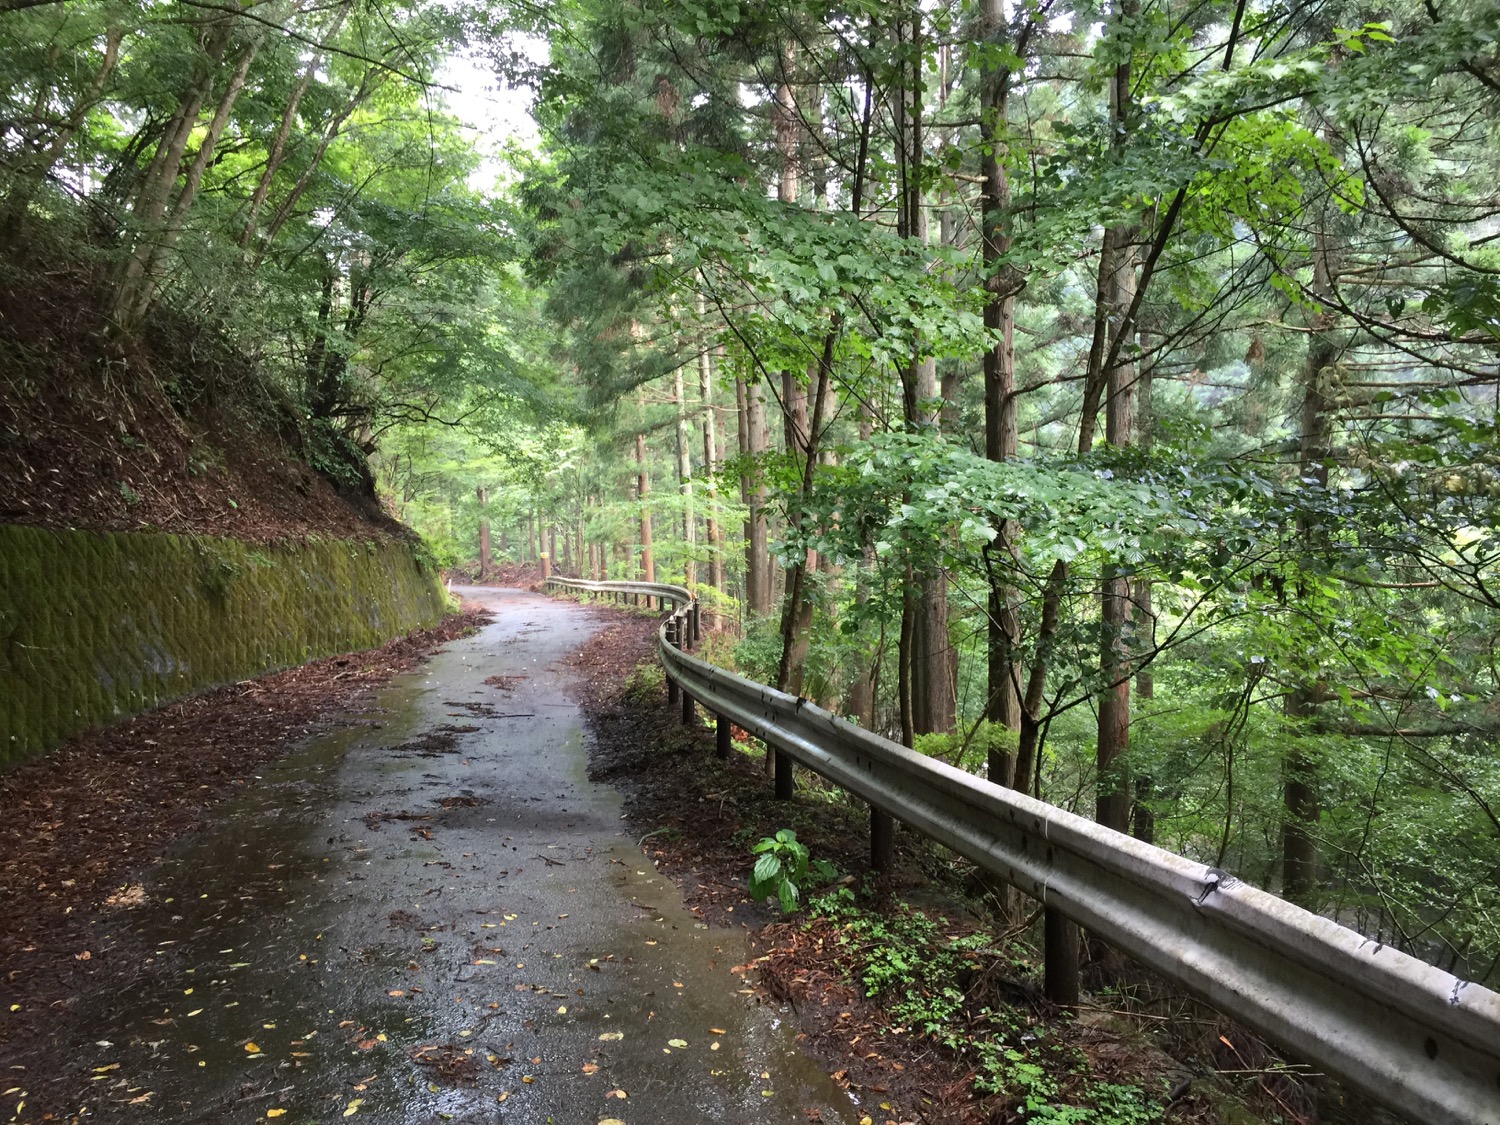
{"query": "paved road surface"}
{"type": "Point", "coordinates": [439, 919]}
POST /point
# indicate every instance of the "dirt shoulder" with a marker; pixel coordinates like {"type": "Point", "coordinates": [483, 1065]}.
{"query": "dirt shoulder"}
{"type": "Point", "coordinates": [82, 821]}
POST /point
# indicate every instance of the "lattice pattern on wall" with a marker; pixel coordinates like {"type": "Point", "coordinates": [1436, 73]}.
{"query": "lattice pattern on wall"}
{"type": "Point", "coordinates": [94, 626]}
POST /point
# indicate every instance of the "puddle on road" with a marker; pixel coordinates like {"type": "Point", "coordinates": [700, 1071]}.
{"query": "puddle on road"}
{"type": "Point", "coordinates": [464, 937]}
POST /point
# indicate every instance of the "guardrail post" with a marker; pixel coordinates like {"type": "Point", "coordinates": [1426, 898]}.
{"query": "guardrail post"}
{"type": "Point", "coordinates": [784, 780]}
{"type": "Point", "coordinates": [721, 737]}
{"type": "Point", "coordinates": [688, 714]}
{"type": "Point", "coordinates": [671, 630]}
{"type": "Point", "coordinates": [697, 622]}
{"type": "Point", "coordinates": [1060, 956]}
{"type": "Point", "coordinates": [882, 840]}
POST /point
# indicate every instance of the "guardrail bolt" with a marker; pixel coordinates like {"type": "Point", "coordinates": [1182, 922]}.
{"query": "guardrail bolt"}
{"type": "Point", "coordinates": [1060, 953]}
{"type": "Point", "coordinates": [721, 737]}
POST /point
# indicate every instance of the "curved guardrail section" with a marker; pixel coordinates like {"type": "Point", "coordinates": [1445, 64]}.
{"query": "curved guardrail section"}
{"type": "Point", "coordinates": [1411, 1036]}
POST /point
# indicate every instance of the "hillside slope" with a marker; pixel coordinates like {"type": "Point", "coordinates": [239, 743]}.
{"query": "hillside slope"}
{"type": "Point", "coordinates": [173, 433]}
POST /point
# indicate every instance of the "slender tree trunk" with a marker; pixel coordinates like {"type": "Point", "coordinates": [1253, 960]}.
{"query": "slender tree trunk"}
{"type": "Point", "coordinates": [155, 191]}
{"type": "Point", "coordinates": [929, 684]}
{"type": "Point", "coordinates": [754, 442]}
{"type": "Point", "coordinates": [1300, 796]}
{"type": "Point", "coordinates": [152, 262]}
{"type": "Point", "coordinates": [485, 561]}
{"type": "Point", "coordinates": [276, 153]}
{"type": "Point", "coordinates": [796, 617]}
{"type": "Point", "coordinates": [862, 690]}
{"type": "Point", "coordinates": [1003, 622]}
{"type": "Point", "coordinates": [372, 81]}
{"type": "Point", "coordinates": [685, 482]}
{"type": "Point", "coordinates": [710, 470]}
{"type": "Point", "coordinates": [642, 496]}
{"type": "Point", "coordinates": [1117, 281]}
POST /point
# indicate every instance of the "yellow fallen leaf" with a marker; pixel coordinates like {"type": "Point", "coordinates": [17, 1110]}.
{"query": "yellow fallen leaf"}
{"type": "Point", "coordinates": [717, 1031]}
{"type": "Point", "coordinates": [275, 1113]}
{"type": "Point", "coordinates": [562, 1009]}
{"type": "Point", "coordinates": [252, 1049]}
{"type": "Point", "coordinates": [677, 1043]}
{"type": "Point", "coordinates": [617, 1094]}
{"type": "Point", "coordinates": [526, 1078]}
{"type": "Point", "coordinates": [354, 1107]}
{"type": "Point", "coordinates": [713, 1046]}
{"type": "Point", "coordinates": [610, 1121]}
{"type": "Point", "coordinates": [612, 1036]}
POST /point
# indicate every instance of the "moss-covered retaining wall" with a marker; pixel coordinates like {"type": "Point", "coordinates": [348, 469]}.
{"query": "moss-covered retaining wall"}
{"type": "Point", "coordinates": [94, 626]}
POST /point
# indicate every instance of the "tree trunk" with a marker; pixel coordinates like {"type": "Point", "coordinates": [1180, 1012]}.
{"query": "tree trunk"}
{"type": "Point", "coordinates": [710, 470]}
{"type": "Point", "coordinates": [754, 441]}
{"type": "Point", "coordinates": [642, 496]}
{"type": "Point", "coordinates": [933, 706]}
{"type": "Point", "coordinates": [1117, 283]}
{"type": "Point", "coordinates": [685, 482]}
{"type": "Point", "coordinates": [485, 561]}
{"type": "Point", "coordinates": [1300, 796]}
{"type": "Point", "coordinates": [1003, 624]}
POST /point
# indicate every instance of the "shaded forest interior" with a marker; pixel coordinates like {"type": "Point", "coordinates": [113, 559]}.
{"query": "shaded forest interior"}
{"type": "Point", "coordinates": [1100, 397]}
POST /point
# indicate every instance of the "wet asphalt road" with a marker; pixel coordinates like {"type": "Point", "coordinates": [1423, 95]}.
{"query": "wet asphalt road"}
{"type": "Point", "coordinates": [438, 919]}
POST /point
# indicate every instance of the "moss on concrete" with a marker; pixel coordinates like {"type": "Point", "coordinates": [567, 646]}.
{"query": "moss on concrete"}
{"type": "Point", "coordinates": [94, 626]}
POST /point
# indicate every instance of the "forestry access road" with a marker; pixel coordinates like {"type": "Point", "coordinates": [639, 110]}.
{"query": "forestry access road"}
{"type": "Point", "coordinates": [436, 917]}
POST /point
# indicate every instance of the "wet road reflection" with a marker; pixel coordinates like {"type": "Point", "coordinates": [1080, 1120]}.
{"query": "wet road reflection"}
{"type": "Point", "coordinates": [439, 918]}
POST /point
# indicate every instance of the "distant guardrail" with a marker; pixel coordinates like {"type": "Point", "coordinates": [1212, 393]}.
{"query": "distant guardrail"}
{"type": "Point", "coordinates": [1409, 1035]}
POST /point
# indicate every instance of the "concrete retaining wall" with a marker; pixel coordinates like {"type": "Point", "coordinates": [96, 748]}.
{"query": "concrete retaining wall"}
{"type": "Point", "coordinates": [94, 626]}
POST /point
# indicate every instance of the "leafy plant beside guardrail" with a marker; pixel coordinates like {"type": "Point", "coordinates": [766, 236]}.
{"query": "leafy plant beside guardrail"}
{"type": "Point", "coordinates": [782, 869]}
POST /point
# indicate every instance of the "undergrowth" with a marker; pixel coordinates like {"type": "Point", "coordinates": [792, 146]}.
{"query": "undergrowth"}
{"type": "Point", "coordinates": [932, 983]}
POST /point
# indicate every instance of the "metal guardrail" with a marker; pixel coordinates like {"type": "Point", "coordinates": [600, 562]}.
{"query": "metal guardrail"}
{"type": "Point", "coordinates": [1409, 1035]}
